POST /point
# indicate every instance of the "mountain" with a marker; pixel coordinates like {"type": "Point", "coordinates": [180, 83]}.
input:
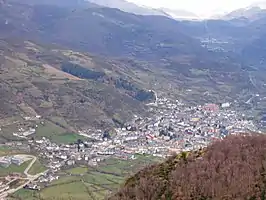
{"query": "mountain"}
{"type": "Point", "coordinates": [212, 173]}
{"type": "Point", "coordinates": [261, 4]}
{"type": "Point", "coordinates": [61, 3]}
{"type": "Point", "coordinates": [83, 66]}
{"type": "Point", "coordinates": [71, 90]}
{"type": "Point", "coordinates": [114, 33]}
{"type": "Point", "coordinates": [128, 7]}
{"type": "Point", "coordinates": [156, 41]}
{"type": "Point", "coordinates": [250, 13]}
{"type": "Point", "coordinates": [141, 10]}
{"type": "Point", "coordinates": [180, 14]}
{"type": "Point", "coordinates": [129, 55]}
{"type": "Point", "coordinates": [254, 51]}
{"type": "Point", "coordinates": [46, 70]}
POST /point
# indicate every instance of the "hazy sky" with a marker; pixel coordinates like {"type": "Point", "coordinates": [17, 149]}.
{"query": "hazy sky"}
{"type": "Point", "coordinates": [200, 7]}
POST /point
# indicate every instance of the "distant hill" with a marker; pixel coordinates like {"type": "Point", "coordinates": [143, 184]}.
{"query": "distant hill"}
{"type": "Point", "coordinates": [128, 55]}
{"type": "Point", "coordinates": [180, 14]}
{"type": "Point", "coordinates": [129, 7]}
{"type": "Point", "coordinates": [61, 3]}
{"type": "Point", "coordinates": [141, 10]}
{"type": "Point", "coordinates": [100, 30]}
{"type": "Point", "coordinates": [250, 13]}
{"type": "Point", "coordinates": [77, 88]}
{"type": "Point", "coordinates": [231, 169]}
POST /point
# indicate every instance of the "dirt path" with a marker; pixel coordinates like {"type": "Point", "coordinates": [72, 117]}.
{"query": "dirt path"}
{"type": "Point", "coordinates": [29, 177]}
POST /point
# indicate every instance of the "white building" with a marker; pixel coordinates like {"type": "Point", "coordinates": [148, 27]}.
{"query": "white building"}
{"type": "Point", "coordinates": [226, 105]}
{"type": "Point", "coordinates": [17, 161]}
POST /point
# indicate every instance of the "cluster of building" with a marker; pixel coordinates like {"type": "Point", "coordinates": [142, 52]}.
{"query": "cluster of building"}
{"type": "Point", "coordinates": [22, 133]}
{"type": "Point", "coordinates": [172, 127]}
{"type": "Point", "coordinates": [6, 161]}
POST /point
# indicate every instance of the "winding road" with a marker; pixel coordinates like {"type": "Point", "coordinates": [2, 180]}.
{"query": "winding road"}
{"type": "Point", "coordinates": [29, 178]}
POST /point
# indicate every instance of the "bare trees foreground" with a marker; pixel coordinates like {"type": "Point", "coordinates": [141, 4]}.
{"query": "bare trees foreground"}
{"type": "Point", "coordinates": [232, 169]}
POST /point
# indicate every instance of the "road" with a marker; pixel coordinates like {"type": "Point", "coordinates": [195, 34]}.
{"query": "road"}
{"type": "Point", "coordinates": [253, 82]}
{"type": "Point", "coordinates": [30, 178]}
{"type": "Point", "coordinates": [30, 165]}
{"type": "Point", "coordinates": [249, 101]}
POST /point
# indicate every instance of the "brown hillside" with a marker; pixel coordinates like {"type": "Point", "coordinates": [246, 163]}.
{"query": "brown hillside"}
{"type": "Point", "coordinates": [33, 82]}
{"type": "Point", "coordinates": [231, 169]}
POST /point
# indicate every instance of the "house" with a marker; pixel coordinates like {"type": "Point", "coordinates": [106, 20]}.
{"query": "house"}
{"type": "Point", "coordinates": [225, 105]}
{"type": "Point", "coordinates": [211, 107]}
{"type": "Point", "coordinates": [32, 187]}
{"type": "Point", "coordinates": [70, 162]}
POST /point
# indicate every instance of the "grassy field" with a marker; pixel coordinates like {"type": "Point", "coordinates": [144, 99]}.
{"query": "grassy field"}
{"type": "Point", "coordinates": [49, 130]}
{"type": "Point", "coordinates": [4, 150]}
{"type": "Point", "coordinates": [14, 168]}
{"type": "Point", "coordinates": [83, 183]}
{"type": "Point", "coordinates": [78, 170]}
{"type": "Point", "coordinates": [127, 167]}
{"type": "Point", "coordinates": [37, 168]}
{"type": "Point", "coordinates": [56, 133]}
{"type": "Point", "coordinates": [24, 194]}
{"type": "Point", "coordinates": [59, 120]}
{"type": "Point", "coordinates": [67, 138]}
{"type": "Point", "coordinates": [6, 133]}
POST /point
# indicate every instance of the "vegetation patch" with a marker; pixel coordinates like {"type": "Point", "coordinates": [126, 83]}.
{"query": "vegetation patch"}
{"type": "Point", "coordinates": [78, 170]}
{"type": "Point", "coordinates": [57, 132]}
{"type": "Point", "coordinates": [49, 129]}
{"type": "Point", "coordinates": [134, 91]}
{"type": "Point", "coordinates": [230, 169]}
{"type": "Point", "coordinates": [25, 194]}
{"type": "Point", "coordinates": [81, 72]}
{"type": "Point", "coordinates": [37, 168]}
{"type": "Point", "coordinates": [4, 150]}
{"type": "Point", "coordinates": [14, 168]}
{"type": "Point", "coordinates": [67, 138]}
{"type": "Point", "coordinates": [58, 73]}
{"type": "Point", "coordinates": [85, 183]}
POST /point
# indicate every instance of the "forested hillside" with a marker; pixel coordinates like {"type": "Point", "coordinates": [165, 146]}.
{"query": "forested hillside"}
{"type": "Point", "coordinates": [231, 169]}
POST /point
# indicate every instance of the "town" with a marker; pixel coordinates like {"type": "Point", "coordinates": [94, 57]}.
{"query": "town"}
{"type": "Point", "coordinates": [174, 127]}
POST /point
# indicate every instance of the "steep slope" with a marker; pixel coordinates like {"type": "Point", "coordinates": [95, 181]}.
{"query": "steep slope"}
{"type": "Point", "coordinates": [91, 90]}
{"type": "Point", "coordinates": [84, 91]}
{"type": "Point", "coordinates": [241, 37]}
{"type": "Point", "coordinates": [138, 52]}
{"type": "Point", "coordinates": [230, 169]}
{"type": "Point", "coordinates": [255, 52]}
{"type": "Point", "coordinates": [100, 30]}
{"type": "Point", "coordinates": [120, 34]}
{"type": "Point", "coordinates": [169, 50]}
{"type": "Point", "coordinates": [249, 13]}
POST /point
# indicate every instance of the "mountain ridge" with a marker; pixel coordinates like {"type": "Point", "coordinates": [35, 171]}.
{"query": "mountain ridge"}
{"type": "Point", "coordinates": [144, 10]}
{"type": "Point", "coordinates": [128, 7]}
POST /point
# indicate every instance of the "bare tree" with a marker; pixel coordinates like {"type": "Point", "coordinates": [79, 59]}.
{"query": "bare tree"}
{"type": "Point", "coordinates": [232, 169]}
